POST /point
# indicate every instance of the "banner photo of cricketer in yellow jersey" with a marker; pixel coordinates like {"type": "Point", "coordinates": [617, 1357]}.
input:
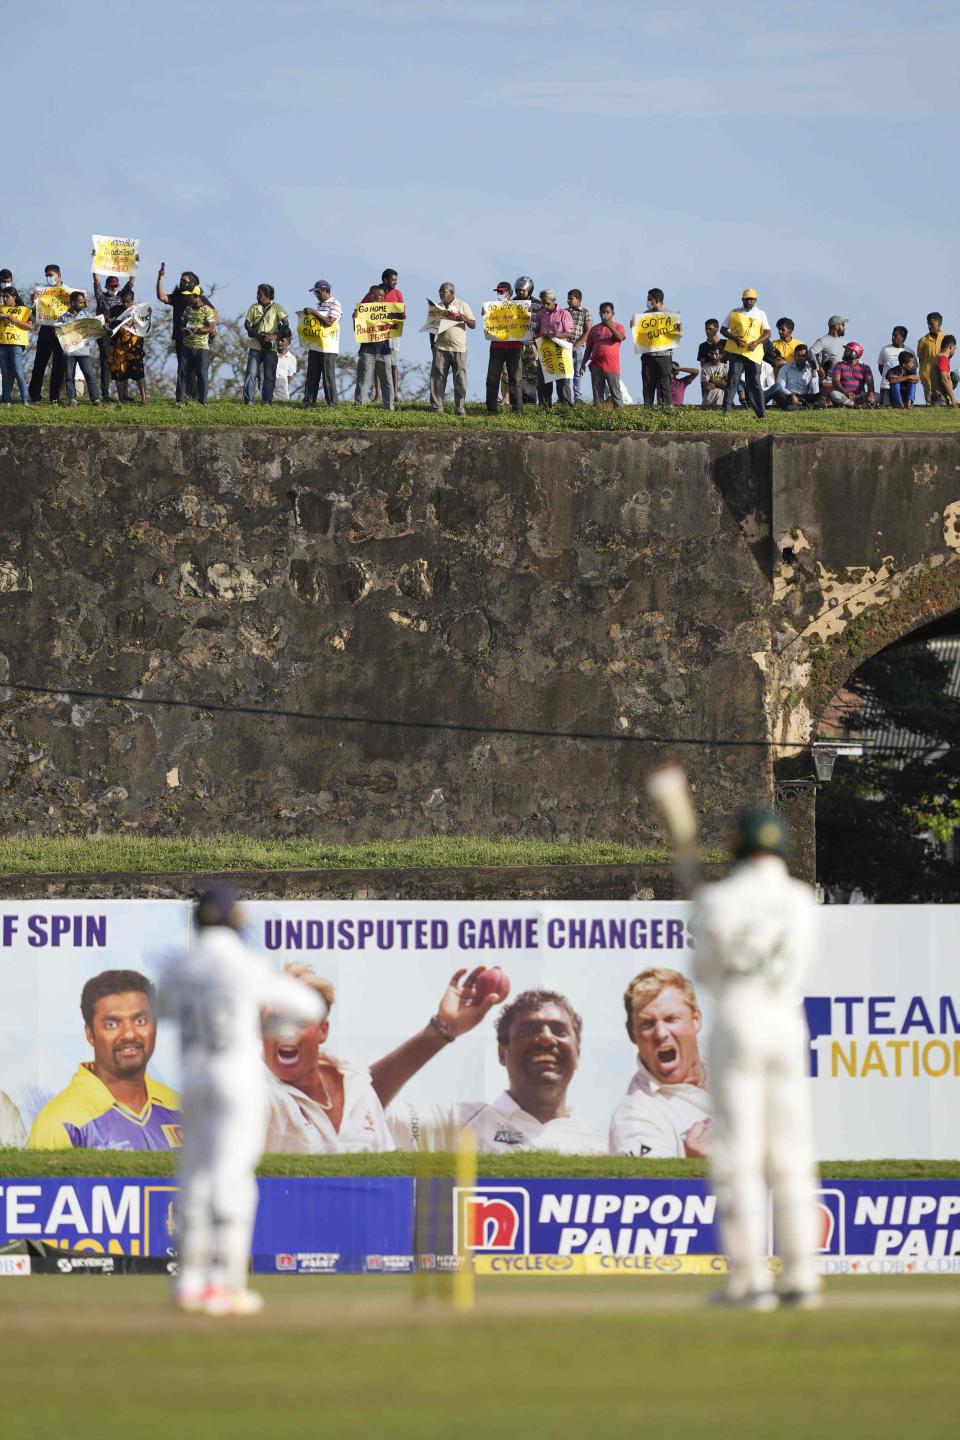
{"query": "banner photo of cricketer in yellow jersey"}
{"type": "Point", "coordinates": [655, 330]}
{"type": "Point", "coordinates": [574, 1027]}
{"type": "Point", "coordinates": [82, 1063]}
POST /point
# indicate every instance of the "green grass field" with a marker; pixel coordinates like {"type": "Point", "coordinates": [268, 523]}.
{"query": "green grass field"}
{"type": "Point", "coordinates": [683, 419]}
{"type": "Point", "coordinates": [75, 856]}
{"type": "Point", "coordinates": [356, 1358]}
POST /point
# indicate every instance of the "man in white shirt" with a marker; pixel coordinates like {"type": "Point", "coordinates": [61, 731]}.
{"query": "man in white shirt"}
{"type": "Point", "coordinates": [889, 359]}
{"type": "Point", "coordinates": [755, 933]}
{"type": "Point", "coordinates": [217, 992]}
{"type": "Point", "coordinates": [667, 1110]}
{"type": "Point", "coordinates": [450, 350]}
{"type": "Point", "coordinates": [538, 1037]}
{"type": "Point", "coordinates": [286, 369]}
{"type": "Point", "coordinates": [746, 331]}
{"type": "Point", "coordinates": [319, 1104]}
{"type": "Point", "coordinates": [323, 363]}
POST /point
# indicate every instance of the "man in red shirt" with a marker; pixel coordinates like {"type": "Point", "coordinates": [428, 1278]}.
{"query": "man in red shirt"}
{"type": "Point", "coordinates": [601, 352]}
{"type": "Point", "coordinates": [943, 381]}
{"type": "Point", "coordinates": [509, 354]}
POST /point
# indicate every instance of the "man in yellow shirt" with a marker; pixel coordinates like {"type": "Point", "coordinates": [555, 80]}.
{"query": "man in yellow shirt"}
{"type": "Point", "coordinates": [927, 351]}
{"type": "Point", "coordinates": [746, 331]}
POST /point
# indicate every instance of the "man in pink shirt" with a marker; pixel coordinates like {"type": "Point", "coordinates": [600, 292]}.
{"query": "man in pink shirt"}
{"type": "Point", "coordinates": [552, 323]}
{"type": "Point", "coordinates": [601, 352]}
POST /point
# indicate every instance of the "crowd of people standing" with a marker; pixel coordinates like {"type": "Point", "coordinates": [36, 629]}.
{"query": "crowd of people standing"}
{"type": "Point", "coordinates": [738, 362]}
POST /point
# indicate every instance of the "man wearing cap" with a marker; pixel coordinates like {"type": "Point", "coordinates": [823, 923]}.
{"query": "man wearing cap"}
{"type": "Point", "coordinates": [505, 355]}
{"type": "Point", "coordinates": [178, 300]}
{"type": "Point", "coordinates": [746, 331]}
{"type": "Point", "coordinates": [322, 363]}
{"type": "Point", "coordinates": [217, 991]}
{"type": "Point", "coordinates": [826, 351]}
{"type": "Point", "coordinates": [755, 934]}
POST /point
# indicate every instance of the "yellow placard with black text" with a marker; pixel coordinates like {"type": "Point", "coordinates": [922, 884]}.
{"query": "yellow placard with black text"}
{"type": "Point", "coordinates": [746, 331]}
{"type": "Point", "coordinates": [508, 320]}
{"type": "Point", "coordinates": [113, 255]}
{"type": "Point", "coordinates": [12, 334]}
{"type": "Point", "coordinates": [377, 320]}
{"type": "Point", "coordinates": [556, 359]}
{"type": "Point", "coordinates": [314, 336]}
{"type": "Point", "coordinates": [655, 330]}
{"type": "Point", "coordinates": [50, 302]}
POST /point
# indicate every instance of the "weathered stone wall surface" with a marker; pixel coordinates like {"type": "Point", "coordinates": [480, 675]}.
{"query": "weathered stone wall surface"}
{"type": "Point", "coordinates": [687, 587]}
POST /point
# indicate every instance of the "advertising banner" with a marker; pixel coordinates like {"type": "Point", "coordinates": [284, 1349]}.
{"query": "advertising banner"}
{"type": "Point", "coordinates": [655, 330]}
{"type": "Point", "coordinates": [507, 320]}
{"type": "Point", "coordinates": [115, 256]}
{"type": "Point", "coordinates": [314, 336]}
{"type": "Point", "coordinates": [50, 302]}
{"type": "Point", "coordinates": [882, 1002]}
{"type": "Point", "coordinates": [321, 1226]}
{"type": "Point", "coordinates": [378, 321]}
{"type": "Point", "coordinates": [77, 337]}
{"type": "Point", "coordinates": [12, 334]}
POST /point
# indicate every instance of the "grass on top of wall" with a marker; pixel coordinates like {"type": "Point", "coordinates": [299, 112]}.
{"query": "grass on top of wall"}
{"type": "Point", "coordinates": [683, 419]}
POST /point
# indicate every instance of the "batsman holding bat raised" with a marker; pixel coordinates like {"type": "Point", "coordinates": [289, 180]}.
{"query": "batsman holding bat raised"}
{"type": "Point", "coordinates": [754, 934]}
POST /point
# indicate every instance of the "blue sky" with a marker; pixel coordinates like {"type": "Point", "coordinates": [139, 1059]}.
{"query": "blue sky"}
{"type": "Point", "coordinates": [808, 149]}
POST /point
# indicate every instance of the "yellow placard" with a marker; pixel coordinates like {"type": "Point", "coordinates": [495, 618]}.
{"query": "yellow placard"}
{"type": "Point", "coordinates": [376, 320]}
{"type": "Point", "coordinates": [655, 330]}
{"type": "Point", "coordinates": [556, 359]}
{"type": "Point", "coordinates": [115, 256]}
{"type": "Point", "coordinates": [51, 301]}
{"type": "Point", "coordinates": [746, 331]}
{"type": "Point", "coordinates": [12, 334]}
{"type": "Point", "coordinates": [314, 336]}
{"type": "Point", "coordinates": [75, 335]}
{"type": "Point", "coordinates": [507, 320]}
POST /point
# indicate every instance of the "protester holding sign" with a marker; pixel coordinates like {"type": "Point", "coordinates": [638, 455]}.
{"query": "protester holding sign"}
{"type": "Point", "coordinates": [373, 322]}
{"type": "Point", "coordinates": [131, 325]}
{"type": "Point", "coordinates": [393, 296]}
{"type": "Point", "coordinates": [745, 330]}
{"type": "Point", "coordinates": [108, 304]}
{"type": "Point", "coordinates": [115, 256]}
{"type": "Point", "coordinates": [450, 349]}
{"type": "Point", "coordinates": [50, 302]}
{"type": "Point", "coordinates": [659, 330]}
{"type": "Point", "coordinates": [79, 343]}
{"type": "Point", "coordinates": [14, 336]}
{"type": "Point", "coordinates": [553, 331]}
{"type": "Point", "coordinates": [178, 301]}
{"type": "Point", "coordinates": [506, 324]}
{"type": "Point", "coordinates": [319, 331]}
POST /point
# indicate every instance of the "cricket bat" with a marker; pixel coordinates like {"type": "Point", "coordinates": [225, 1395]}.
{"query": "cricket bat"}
{"type": "Point", "coordinates": [669, 790]}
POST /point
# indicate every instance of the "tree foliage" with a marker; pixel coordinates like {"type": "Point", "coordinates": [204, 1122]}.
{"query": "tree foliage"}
{"type": "Point", "coordinates": [885, 822]}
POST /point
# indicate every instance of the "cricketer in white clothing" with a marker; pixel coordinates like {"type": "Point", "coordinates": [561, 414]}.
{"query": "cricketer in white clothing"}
{"type": "Point", "coordinates": [216, 991]}
{"type": "Point", "coordinates": [667, 1110]}
{"type": "Point", "coordinates": [538, 1041]}
{"type": "Point", "coordinates": [755, 933]}
{"type": "Point", "coordinates": [319, 1105]}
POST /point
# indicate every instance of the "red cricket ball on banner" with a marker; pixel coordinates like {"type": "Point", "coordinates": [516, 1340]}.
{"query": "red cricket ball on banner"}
{"type": "Point", "coordinates": [492, 982]}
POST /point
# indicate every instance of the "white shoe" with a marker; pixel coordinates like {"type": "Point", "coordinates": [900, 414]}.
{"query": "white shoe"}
{"type": "Point", "coordinates": [764, 1300]}
{"type": "Point", "coordinates": [191, 1299]}
{"type": "Point", "coordinates": [233, 1302]}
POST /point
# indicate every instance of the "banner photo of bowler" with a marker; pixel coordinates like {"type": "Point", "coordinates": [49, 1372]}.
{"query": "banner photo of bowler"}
{"type": "Point", "coordinates": [507, 320]}
{"type": "Point", "coordinates": [377, 320]}
{"type": "Point", "coordinates": [113, 255]}
{"type": "Point", "coordinates": [556, 359]}
{"type": "Point", "coordinates": [314, 336]}
{"type": "Point", "coordinates": [655, 330]}
{"type": "Point", "coordinates": [882, 1004]}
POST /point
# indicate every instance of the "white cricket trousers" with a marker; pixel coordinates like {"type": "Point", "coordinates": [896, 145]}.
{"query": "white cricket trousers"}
{"type": "Point", "coordinates": [224, 1128]}
{"type": "Point", "coordinates": [763, 1135]}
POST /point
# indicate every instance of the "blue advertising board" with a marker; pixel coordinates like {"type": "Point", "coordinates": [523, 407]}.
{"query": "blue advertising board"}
{"type": "Point", "coordinates": [319, 1225]}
